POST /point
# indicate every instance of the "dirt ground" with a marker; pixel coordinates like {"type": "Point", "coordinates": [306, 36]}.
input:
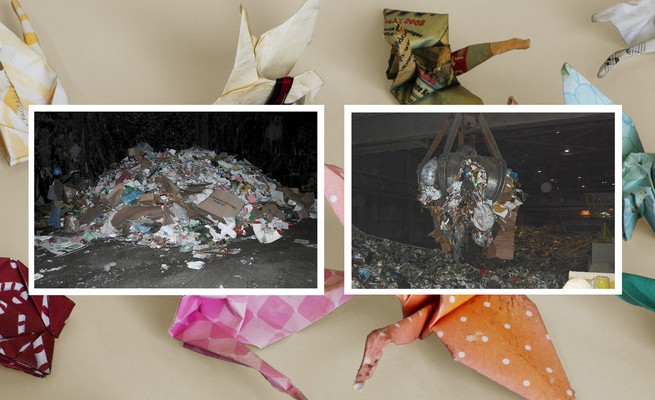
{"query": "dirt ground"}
{"type": "Point", "coordinates": [112, 263]}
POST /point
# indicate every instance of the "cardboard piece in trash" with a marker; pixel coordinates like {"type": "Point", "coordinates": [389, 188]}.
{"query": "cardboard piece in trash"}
{"type": "Point", "coordinates": [148, 199]}
{"type": "Point", "coordinates": [222, 204]}
{"type": "Point", "coordinates": [438, 236]}
{"type": "Point", "coordinates": [195, 188]}
{"type": "Point", "coordinates": [271, 210]}
{"type": "Point", "coordinates": [115, 195]}
{"type": "Point", "coordinates": [503, 245]}
{"type": "Point", "coordinates": [91, 214]}
{"type": "Point", "coordinates": [167, 186]}
{"type": "Point", "coordinates": [130, 213]}
{"type": "Point", "coordinates": [304, 199]}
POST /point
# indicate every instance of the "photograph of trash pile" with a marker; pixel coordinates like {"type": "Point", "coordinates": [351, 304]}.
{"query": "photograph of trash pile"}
{"type": "Point", "coordinates": [483, 200]}
{"type": "Point", "coordinates": [175, 199]}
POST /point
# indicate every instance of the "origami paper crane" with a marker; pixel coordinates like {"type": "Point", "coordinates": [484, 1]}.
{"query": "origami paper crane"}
{"type": "Point", "coordinates": [635, 21]}
{"type": "Point", "coordinates": [28, 324]}
{"type": "Point", "coordinates": [261, 70]}
{"type": "Point", "coordinates": [26, 79]}
{"type": "Point", "coordinates": [421, 66]}
{"type": "Point", "coordinates": [221, 326]}
{"type": "Point", "coordinates": [638, 196]}
{"type": "Point", "coordinates": [502, 337]}
{"type": "Point", "coordinates": [638, 180]}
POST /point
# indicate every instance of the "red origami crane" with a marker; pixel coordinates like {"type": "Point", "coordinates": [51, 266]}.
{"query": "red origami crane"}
{"type": "Point", "coordinates": [28, 324]}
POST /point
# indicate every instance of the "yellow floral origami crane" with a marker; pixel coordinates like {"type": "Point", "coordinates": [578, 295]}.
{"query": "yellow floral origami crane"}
{"type": "Point", "coordinates": [26, 79]}
{"type": "Point", "coordinates": [262, 66]}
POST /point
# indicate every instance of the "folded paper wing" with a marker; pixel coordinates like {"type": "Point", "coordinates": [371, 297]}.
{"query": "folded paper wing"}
{"type": "Point", "coordinates": [28, 324]}
{"type": "Point", "coordinates": [26, 79]}
{"type": "Point", "coordinates": [502, 337]}
{"type": "Point", "coordinates": [635, 21]}
{"type": "Point", "coordinates": [639, 291]}
{"type": "Point", "coordinates": [262, 66]}
{"type": "Point", "coordinates": [222, 326]}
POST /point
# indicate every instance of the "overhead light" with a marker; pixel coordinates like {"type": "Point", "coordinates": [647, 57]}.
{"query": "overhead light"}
{"type": "Point", "coordinates": [538, 171]}
{"type": "Point", "coordinates": [583, 186]}
{"type": "Point", "coordinates": [579, 177]}
{"type": "Point", "coordinates": [556, 131]}
{"type": "Point", "coordinates": [567, 150]}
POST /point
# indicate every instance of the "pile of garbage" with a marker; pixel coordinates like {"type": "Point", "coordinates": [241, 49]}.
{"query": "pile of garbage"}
{"type": "Point", "coordinates": [465, 213]}
{"type": "Point", "coordinates": [542, 261]}
{"type": "Point", "coordinates": [193, 199]}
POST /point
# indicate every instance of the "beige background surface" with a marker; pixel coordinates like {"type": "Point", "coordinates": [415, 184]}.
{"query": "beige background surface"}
{"type": "Point", "coordinates": [174, 52]}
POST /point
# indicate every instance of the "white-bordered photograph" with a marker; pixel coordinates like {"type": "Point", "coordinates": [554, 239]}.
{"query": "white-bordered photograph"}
{"type": "Point", "coordinates": [483, 199]}
{"type": "Point", "coordinates": [176, 199]}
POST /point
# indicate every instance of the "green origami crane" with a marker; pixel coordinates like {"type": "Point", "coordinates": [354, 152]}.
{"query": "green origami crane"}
{"type": "Point", "coordinates": [638, 185]}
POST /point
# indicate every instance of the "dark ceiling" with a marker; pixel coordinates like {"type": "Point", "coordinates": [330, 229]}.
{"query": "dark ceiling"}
{"type": "Point", "coordinates": [572, 152]}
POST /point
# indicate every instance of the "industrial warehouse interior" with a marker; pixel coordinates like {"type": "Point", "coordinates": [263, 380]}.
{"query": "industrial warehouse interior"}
{"type": "Point", "coordinates": [477, 201]}
{"type": "Point", "coordinates": [175, 200]}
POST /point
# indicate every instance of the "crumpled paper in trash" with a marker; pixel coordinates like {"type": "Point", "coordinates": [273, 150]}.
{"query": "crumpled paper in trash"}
{"type": "Point", "coordinates": [421, 66]}
{"type": "Point", "coordinates": [28, 324]}
{"type": "Point", "coordinates": [26, 79]}
{"type": "Point", "coordinates": [222, 326]}
{"type": "Point", "coordinates": [635, 21]}
{"type": "Point", "coordinates": [502, 337]}
{"type": "Point", "coordinates": [262, 66]}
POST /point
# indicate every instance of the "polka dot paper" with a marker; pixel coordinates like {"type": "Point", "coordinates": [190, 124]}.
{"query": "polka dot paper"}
{"type": "Point", "coordinates": [502, 337]}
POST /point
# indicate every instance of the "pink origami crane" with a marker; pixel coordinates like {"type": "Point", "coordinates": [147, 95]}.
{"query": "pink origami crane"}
{"type": "Point", "coordinates": [221, 326]}
{"type": "Point", "coordinates": [28, 324]}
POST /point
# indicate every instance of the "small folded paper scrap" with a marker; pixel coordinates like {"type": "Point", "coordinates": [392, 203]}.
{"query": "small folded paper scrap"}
{"type": "Point", "coordinates": [262, 66]}
{"type": "Point", "coordinates": [502, 337]}
{"type": "Point", "coordinates": [635, 23]}
{"type": "Point", "coordinates": [26, 79]}
{"type": "Point", "coordinates": [421, 66]}
{"type": "Point", "coordinates": [28, 324]}
{"type": "Point", "coordinates": [221, 326]}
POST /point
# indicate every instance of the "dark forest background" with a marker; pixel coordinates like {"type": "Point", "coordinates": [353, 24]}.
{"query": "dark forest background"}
{"type": "Point", "coordinates": [282, 144]}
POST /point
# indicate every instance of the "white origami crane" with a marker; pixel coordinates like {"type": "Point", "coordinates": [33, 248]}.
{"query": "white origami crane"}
{"type": "Point", "coordinates": [262, 66]}
{"type": "Point", "coordinates": [636, 23]}
{"type": "Point", "coordinates": [26, 78]}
